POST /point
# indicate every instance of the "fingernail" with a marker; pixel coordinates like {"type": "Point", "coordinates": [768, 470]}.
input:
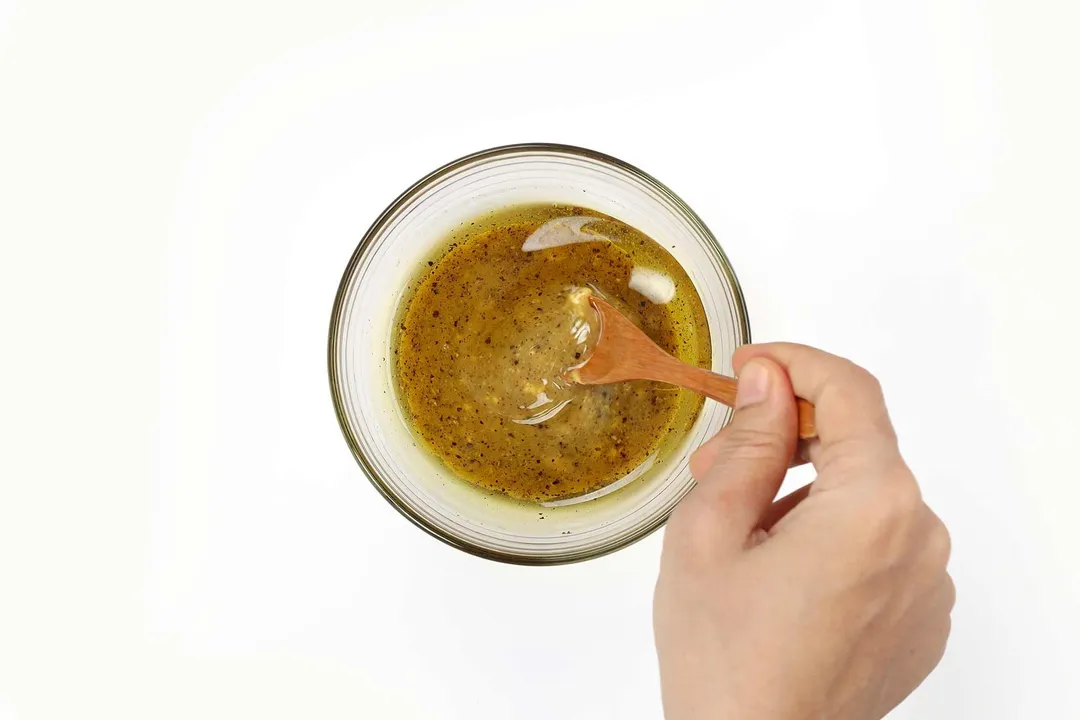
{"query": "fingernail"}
{"type": "Point", "coordinates": [753, 385]}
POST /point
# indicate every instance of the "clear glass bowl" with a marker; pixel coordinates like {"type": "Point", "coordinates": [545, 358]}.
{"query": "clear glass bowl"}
{"type": "Point", "coordinates": [408, 475]}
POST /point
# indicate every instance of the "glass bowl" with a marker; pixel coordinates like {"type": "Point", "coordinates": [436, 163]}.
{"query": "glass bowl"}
{"type": "Point", "coordinates": [407, 474]}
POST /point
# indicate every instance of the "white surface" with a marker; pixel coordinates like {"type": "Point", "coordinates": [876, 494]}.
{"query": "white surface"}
{"type": "Point", "coordinates": [183, 532]}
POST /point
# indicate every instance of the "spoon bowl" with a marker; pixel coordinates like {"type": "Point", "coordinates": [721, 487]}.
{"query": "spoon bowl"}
{"type": "Point", "coordinates": [623, 352]}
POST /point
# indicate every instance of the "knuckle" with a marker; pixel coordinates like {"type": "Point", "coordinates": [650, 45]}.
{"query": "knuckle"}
{"type": "Point", "coordinates": [938, 544]}
{"type": "Point", "coordinates": [891, 513]}
{"type": "Point", "coordinates": [871, 383]}
{"type": "Point", "coordinates": [896, 497]}
{"type": "Point", "coordinates": [865, 380]}
{"type": "Point", "coordinates": [857, 402]}
{"type": "Point", "coordinates": [903, 497]}
{"type": "Point", "coordinates": [950, 593]}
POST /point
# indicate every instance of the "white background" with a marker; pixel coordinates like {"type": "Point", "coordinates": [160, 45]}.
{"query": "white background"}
{"type": "Point", "coordinates": [183, 532]}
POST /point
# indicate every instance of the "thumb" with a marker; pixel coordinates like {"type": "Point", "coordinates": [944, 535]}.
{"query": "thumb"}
{"type": "Point", "coordinates": [740, 470]}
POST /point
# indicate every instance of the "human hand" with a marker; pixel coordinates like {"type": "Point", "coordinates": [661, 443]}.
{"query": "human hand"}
{"type": "Point", "coordinates": [832, 602]}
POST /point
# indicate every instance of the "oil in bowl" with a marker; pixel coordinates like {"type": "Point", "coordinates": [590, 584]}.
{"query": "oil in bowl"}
{"type": "Point", "coordinates": [487, 329]}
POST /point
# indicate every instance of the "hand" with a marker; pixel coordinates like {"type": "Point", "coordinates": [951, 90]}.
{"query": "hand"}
{"type": "Point", "coordinates": [833, 602]}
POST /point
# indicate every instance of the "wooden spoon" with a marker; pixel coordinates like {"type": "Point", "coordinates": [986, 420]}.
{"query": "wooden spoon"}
{"type": "Point", "coordinates": [623, 352]}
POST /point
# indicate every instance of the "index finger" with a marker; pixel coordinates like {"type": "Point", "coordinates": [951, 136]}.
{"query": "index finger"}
{"type": "Point", "coordinates": [849, 405]}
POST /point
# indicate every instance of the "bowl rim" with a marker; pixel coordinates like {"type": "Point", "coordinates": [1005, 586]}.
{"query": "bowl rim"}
{"type": "Point", "coordinates": [338, 307]}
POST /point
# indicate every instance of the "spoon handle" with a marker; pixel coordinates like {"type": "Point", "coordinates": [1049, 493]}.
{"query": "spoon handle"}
{"type": "Point", "coordinates": [723, 388]}
{"type": "Point", "coordinates": [624, 352]}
